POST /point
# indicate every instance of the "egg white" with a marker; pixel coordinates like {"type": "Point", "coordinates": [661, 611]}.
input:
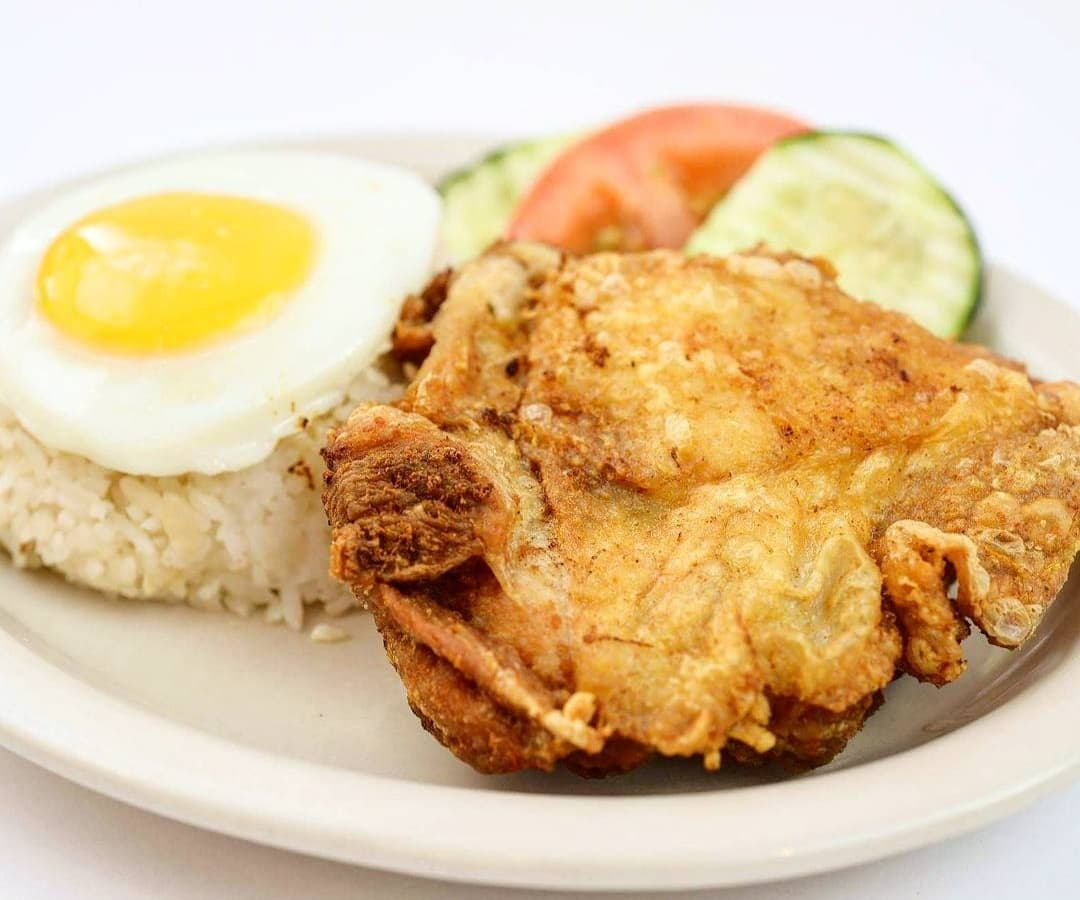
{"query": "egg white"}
{"type": "Point", "coordinates": [224, 406]}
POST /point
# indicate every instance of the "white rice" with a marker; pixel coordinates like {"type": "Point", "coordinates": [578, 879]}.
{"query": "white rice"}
{"type": "Point", "coordinates": [240, 541]}
{"type": "Point", "coordinates": [328, 634]}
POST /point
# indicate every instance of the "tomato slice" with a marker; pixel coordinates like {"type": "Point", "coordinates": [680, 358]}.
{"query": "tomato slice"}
{"type": "Point", "coordinates": [647, 181]}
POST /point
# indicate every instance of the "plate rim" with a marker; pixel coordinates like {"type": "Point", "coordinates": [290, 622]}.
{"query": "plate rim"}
{"type": "Point", "coordinates": [539, 840]}
{"type": "Point", "coordinates": [521, 839]}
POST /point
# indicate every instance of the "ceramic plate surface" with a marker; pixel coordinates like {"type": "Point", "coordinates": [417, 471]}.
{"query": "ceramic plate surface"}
{"type": "Point", "coordinates": [255, 731]}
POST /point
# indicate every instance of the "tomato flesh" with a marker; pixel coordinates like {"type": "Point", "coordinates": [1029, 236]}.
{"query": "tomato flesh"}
{"type": "Point", "coordinates": [647, 181]}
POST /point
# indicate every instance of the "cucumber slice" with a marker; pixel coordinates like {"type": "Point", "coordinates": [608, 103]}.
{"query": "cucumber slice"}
{"type": "Point", "coordinates": [479, 200]}
{"type": "Point", "coordinates": [893, 234]}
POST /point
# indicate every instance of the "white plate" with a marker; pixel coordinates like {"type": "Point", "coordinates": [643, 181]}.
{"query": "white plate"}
{"type": "Point", "coordinates": [254, 731]}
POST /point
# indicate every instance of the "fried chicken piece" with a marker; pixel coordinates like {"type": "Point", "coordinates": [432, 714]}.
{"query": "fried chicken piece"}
{"type": "Point", "coordinates": [638, 504]}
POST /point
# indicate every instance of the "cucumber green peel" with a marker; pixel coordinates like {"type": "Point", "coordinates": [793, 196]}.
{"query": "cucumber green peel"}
{"type": "Point", "coordinates": [479, 200]}
{"type": "Point", "coordinates": [893, 234]}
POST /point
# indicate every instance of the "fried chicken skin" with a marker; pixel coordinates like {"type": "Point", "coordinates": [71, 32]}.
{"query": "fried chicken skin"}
{"type": "Point", "coordinates": [643, 503]}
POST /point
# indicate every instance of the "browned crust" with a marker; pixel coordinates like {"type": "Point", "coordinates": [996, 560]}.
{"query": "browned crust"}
{"type": "Point", "coordinates": [889, 465]}
{"type": "Point", "coordinates": [413, 338]}
{"type": "Point", "coordinates": [461, 716]}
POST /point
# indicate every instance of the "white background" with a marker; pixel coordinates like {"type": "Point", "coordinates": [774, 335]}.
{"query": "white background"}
{"type": "Point", "coordinates": [984, 93]}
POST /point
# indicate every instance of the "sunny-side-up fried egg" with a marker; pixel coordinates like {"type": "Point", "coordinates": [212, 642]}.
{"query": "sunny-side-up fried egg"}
{"type": "Point", "coordinates": [184, 317]}
{"type": "Point", "coordinates": [170, 332]}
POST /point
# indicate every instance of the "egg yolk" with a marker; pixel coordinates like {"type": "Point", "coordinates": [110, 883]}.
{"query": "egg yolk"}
{"type": "Point", "coordinates": [173, 271]}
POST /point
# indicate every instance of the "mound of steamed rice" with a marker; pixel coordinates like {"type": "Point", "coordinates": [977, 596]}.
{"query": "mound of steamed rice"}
{"type": "Point", "coordinates": [240, 541]}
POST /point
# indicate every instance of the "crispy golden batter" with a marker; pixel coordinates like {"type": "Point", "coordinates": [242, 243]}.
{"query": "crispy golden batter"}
{"type": "Point", "coordinates": [638, 504]}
